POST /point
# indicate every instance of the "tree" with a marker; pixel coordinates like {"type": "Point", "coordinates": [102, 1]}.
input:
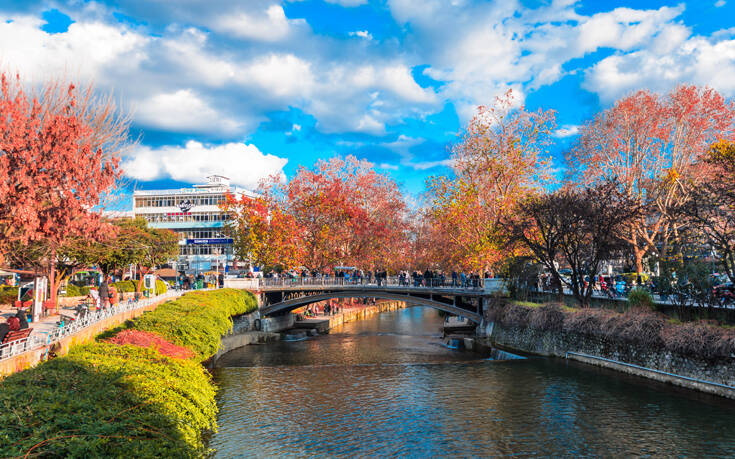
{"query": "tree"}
{"type": "Point", "coordinates": [501, 158]}
{"type": "Point", "coordinates": [57, 162]}
{"type": "Point", "coordinates": [579, 228]}
{"type": "Point", "coordinates": [346, 213]}
{"type": "Point", "coordinates": [650, 144]}
{"type": "Point", "coordinates": [264, 233]}
{"type": "Point", "coordinates": [710, 209]}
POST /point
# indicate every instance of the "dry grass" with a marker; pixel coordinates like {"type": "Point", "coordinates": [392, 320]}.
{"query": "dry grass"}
{"type": "Point", "coordinates": [636, 327]}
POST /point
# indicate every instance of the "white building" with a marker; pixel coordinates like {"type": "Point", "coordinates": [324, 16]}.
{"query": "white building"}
{"type": "Point", "coordinates": [194, 214]}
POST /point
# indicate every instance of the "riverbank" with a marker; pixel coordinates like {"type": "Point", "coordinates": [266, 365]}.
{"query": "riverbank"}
{"type": "Point", "coordinates": [114, 397]}
{"type": "Point", "coordinates": [694, 356]}
{"type": "Point", "coordinates": [245, 332]}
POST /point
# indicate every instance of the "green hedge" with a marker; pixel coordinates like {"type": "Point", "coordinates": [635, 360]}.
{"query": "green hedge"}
{"type": "Point", "coordinates": [8, 294]}
{"type": "Point", "coordinates": [125, 286]}
{"type": "Point", "coordinates": [185, 323]}
{"type": "Point", "coordinates": [75, 290]}
{"type": "Point", "coordinates": [107, 400]}
{"type": "Point", "coordinates": [161, 287]}
{"type": "Point", "coordinates": [104, 400]}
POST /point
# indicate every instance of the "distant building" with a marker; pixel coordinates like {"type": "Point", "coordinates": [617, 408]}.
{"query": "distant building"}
{"type": "Point", "coordinates": [194, 214]}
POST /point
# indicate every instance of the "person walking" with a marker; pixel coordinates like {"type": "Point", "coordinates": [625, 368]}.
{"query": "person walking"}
{"type": "Point", "coordinates": [104, 292]}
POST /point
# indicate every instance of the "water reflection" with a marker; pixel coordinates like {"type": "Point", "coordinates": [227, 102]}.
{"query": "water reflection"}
{"type": "Point", "coordinates": [386, 387]}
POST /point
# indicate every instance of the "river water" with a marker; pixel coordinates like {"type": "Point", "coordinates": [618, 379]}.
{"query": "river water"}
{"type": "Point", "coordinates": [387, 387]}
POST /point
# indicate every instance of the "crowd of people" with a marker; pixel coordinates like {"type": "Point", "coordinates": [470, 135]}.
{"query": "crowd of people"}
{"type": "Point", "coordinates": [427, 278]}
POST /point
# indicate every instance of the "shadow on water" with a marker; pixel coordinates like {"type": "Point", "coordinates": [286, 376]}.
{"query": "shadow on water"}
{"type": "Point", "coordinates": [387, 386]}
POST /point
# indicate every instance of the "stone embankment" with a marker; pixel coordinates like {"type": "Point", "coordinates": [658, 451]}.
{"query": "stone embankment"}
{"type": "Point", "coordinates": [714, 375]}
{"type": "Point", "coordinates": [252, 329]}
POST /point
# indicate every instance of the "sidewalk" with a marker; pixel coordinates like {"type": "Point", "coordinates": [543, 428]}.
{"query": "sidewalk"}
{"type": "Point", "coordinates": [46, 333]}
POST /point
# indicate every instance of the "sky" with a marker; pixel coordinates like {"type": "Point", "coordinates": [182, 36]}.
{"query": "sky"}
{"type": "Point", "coordinates": [251, 88]}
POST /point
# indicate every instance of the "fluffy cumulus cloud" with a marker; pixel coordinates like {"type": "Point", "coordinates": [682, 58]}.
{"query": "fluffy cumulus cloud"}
{"type": "Point", "coordinates": [244, 164]}
{"type": "Point", "coordinates": [215, 70]}
{"type": "Point", "coordinates": [90, 50]}
{"type": "Point", "coordinates": [269, 25]}
{"type": "Point", "coordinates": [696, 60]}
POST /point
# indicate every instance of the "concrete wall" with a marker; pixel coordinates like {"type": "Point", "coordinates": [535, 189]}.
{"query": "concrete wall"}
{"type": "Point", "coordinates": [243, 283]}
{"type": "Point", "coordinates": [715, 377]}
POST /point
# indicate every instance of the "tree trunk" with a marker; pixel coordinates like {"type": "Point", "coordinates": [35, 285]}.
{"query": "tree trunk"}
{"type": "Point", "coordinates": [638, 253]}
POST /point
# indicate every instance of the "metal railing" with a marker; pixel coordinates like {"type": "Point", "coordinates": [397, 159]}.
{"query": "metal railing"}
{"type": "Point", "coordinates": [473, 285]}
{"type": "Point", "coordinates": [40, 339]}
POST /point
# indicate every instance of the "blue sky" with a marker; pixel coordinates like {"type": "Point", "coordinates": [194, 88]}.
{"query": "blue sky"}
{"type": "Point", "coordinates": [251, 88]}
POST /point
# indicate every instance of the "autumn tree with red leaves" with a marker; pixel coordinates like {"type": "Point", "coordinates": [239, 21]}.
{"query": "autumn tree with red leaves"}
{"type": "Point", "coordinates": [58, 161]}
{"type": "Point", "coordinates": [651, 144]}
{"type": "Point", "coordinates": [340, 212]}
{"type": "Point", "coordinates": [263, 232]}
{"type": "Point", "coordinates": [501, 158]}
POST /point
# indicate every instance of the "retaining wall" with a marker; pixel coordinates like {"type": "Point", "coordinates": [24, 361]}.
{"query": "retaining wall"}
{"type": "Point", "coordinates": [715, 377]}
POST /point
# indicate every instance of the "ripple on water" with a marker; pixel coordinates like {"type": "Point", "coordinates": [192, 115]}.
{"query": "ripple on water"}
{"type": "Point", "coordinates": [389, 393]}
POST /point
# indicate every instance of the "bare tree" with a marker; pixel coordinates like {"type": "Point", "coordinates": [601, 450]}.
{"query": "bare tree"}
{"type": "Point", "coordinates": [579, 228]}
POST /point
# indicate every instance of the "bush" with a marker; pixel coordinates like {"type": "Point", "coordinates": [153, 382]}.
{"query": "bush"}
{"type": "Point", "coordinates": [126, 286]}
{"type": "Point", "coordinates": [548, 317]}
{"type": "Point", "coordinates": [8, 295]}
{"type": "Point", "coordinates": [104, 400]}
{"type": "Point", "coordinates": [76, 290]}
{"type": "Point", "coordinates": [161, 287]}
{"type": "Point", "coordinates": [642, 329]}
{"type": "Point", "coordinates": [186, 322]}
{"type": "Point", "coordinates": [641, 298]}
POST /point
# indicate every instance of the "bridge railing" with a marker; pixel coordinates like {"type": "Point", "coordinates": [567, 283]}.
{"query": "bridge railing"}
{"type": "Point", "coordinates": [488, 285]}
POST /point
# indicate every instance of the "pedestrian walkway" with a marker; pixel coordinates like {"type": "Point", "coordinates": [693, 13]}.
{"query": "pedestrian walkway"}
{"type": "Point", "coordinates": [50, 329]}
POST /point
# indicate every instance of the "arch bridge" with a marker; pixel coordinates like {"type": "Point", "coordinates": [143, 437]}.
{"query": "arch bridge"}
{"type": "Point", "coordinates": [280, 296]}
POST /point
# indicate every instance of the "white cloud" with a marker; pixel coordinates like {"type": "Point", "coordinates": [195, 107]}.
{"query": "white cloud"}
{"type": "Point", "coordinates": [720, 3]}
{"type": "Point", "coordinates": [424, 165]}
{"type": "Point", "coordinates": [362, 34]}
{"type": "Point", "coordinates": [183, 111]}
{"type": "Point", "coordinates": [244, 164]}
{"type": "Point", "coordinates": [281, 75]}
{"type": "Point", "coordinates": [568, 130]}
{"type": "Point", "coordinates": [388, 166]}
{"type": "Point", "coordinates": [348, 3]}
{"type": "Point", "coordinates": [87, 51]}
{"type": "Point", "coordinates": [697, 60]}
{"type": "Point", "coordinates": [270, 25]}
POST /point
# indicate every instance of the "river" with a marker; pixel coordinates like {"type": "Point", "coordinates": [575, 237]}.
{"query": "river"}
{"type": "Point", "coordinates": [386, 386]}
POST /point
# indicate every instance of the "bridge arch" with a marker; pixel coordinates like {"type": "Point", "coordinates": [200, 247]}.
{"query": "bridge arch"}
{"type": "Point", "coordinates": [294, 303]}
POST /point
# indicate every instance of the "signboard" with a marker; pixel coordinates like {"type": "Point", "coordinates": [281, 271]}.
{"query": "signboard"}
{"type": "Point", "coordinates": [223, 240]}
{"type": "Point", "coordinates": [185, 206]}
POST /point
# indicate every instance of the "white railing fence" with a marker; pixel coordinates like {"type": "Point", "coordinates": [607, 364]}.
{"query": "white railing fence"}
{"type": "Point", "coordinates": [40, 339]}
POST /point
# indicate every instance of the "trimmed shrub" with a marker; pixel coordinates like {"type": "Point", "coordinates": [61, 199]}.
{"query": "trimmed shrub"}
{"type": "Point", "coordinates": [8, 294]}
{"type": "Point", "coordinates": [199, 319]}
{"type": "Point", "coordinates": [110, 400]}
{"type": "Point", "coordinates": [147, 339]}
{"type": "Point", "coordinates": [161, 287]}
{"type": "Point", "coordinates": [104, 400]}
{"type": "Point", "coordinates": [126, 286]}
{"type": "Point", "coordinates": [76, 290]}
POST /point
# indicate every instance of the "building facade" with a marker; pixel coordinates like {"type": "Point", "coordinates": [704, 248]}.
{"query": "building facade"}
{"type": "Point", "coordinates": [194, 214]}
